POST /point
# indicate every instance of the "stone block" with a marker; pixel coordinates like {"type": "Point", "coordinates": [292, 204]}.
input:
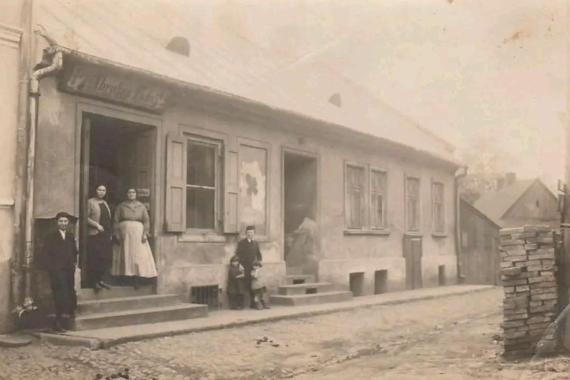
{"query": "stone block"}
{"type": "Point", "coordinates": [530, 247]}
{"type": "Point", "coordinates": [509, 231]}
{"type": "Point", "coordinates": [516, 282]}
{"type": "Point", "coordinates": [511, 272]}
{"type": "Point", "coordinates": [511, 242]}
{"type": "Point", "coordinates": [509, 289]}
{"type": "Point", "coordinates": [544, 297]}
{"type": "Point", "coordinates": [542, 278]}
{"type": "Point", "coordinates": [522, 288]}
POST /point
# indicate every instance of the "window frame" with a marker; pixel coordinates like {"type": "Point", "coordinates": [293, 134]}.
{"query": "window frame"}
{"type": "Point", "coordinates": [366, 225]}
{"type": "Point", "coordinates": [435, 223]}
{"type": "Point", "coordinates": [409, 230]}
{"type": "Point", "coordinates": [218, 167]}
{"type": "Point", "coordinates": [383, 224]}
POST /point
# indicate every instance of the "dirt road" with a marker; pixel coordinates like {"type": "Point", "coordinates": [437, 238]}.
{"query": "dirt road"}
{"type": "Point", "coordinates": [447, 338]}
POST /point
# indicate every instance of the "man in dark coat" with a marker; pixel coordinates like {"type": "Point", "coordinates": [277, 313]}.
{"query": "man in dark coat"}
{"type": "Point", "coordinates": [60, 260]}
{"type": "Point", "coordinates": [248, 252]}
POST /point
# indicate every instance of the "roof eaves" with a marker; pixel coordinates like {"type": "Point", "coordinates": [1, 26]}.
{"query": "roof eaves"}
{"type": "Point", "coordinates": [202, 88]}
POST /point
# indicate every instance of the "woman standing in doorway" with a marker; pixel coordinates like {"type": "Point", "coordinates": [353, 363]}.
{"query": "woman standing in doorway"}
{"type": "Point", "coordinates": [99, 233]}
{"type": "Point", "coordinates": [132, 256]}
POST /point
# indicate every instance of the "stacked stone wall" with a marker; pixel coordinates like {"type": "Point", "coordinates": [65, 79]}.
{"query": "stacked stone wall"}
{"type": "Point", "coordinates": [528, 274]}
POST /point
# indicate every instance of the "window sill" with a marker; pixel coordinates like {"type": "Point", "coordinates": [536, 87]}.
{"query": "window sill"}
{"type": "Point", "coordinates": [367, 232]}
{"type": "Point", "coordinates": [414, 234]}
{"type": "Point", "coordinates": [439, 234]}
{"type": "Point", "coordinates": [201, 237]}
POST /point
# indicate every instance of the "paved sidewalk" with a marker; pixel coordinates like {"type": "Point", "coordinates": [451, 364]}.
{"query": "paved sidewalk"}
{"type": "Point", "coordinates": [107, 337]}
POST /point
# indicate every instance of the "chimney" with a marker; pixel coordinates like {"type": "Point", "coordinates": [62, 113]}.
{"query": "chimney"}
{"type": "Point", "coordinates": [510, 178]}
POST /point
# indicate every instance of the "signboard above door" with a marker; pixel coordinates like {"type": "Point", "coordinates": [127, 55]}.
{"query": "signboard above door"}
{"type": "Point", "coordinates": [102, 83]}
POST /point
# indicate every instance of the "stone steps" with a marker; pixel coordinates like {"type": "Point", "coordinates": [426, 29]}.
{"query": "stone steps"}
{"type": "Point", "coordinates": [311, 299]}
{"type": "Point", "coordinates": [114, 292]}
{"type": "Point", "coordinates": [294, 279]}
{"type": "Point", "coordinates": [126, 303]}
{"type": "Point", "coordinates": [139, 316]}
{"type": "Point", "coordinates": [306, 288]}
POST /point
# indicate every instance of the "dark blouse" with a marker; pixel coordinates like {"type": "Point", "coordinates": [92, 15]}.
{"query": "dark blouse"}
{"type": "Point", "coordinates": [132, 211]}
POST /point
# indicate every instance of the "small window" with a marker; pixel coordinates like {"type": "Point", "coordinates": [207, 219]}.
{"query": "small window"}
{"type": "Point", "coordinates": [202, 184]}
{"type": "Point", "coordinates": [438, 207]}
{"type": "Point", "coordinates": [413, 203]}
{"type": "Point", "coordinates": [355, 192]}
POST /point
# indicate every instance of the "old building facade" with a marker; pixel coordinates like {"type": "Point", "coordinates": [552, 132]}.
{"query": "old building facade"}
{"type": "Point", "coordinates": [338, 186]}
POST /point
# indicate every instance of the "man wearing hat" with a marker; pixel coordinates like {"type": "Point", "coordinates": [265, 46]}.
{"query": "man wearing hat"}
{"type": "Point", "coordinates": [248, 252]}
{"type": "Point", "coordinates": [60, 254]}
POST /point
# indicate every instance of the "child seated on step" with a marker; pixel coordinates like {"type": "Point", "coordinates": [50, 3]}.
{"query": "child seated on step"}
{"type": "Point", "coordinates": [258, 286]}
{"type": "Point", "coordinates": [236, 284]}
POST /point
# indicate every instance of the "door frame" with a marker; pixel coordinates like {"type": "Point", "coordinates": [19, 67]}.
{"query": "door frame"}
{"type": "Point", "coordinates": [85, 107]}
{"type": "Point", "coordinates": [317, 158]}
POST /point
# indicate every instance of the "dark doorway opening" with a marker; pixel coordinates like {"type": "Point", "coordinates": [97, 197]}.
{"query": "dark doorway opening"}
{"type": "Point", "coordinates": [120, 155]}
{"type": "Point", "coordinates": [356, 281]}
{"type": "Point", "coordinates": [441, 275]}
{"type": "Point", "coordinates": [380, 281]}
{"type": "Point", "coordinates": [413, 255]}
{"type": "Point", "coordinates": [300, 205]}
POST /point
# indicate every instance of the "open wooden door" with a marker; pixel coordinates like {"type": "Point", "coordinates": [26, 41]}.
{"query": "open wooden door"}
{"type": "Point", "coordinates": [84, 194]}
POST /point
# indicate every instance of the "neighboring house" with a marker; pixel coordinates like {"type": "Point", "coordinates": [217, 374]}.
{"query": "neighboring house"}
{"type": "Point", "coordinates": [479, 257]}
{"type": "Point", "coordinates": [517, 202]}
{"type": "Point", "coordinates": [212, 148]}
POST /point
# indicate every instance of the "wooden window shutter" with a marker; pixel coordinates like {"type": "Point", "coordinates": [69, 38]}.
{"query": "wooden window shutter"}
{"type": "Point", "coordinates": [175, 216]}
{"type": "Point", "coordinates": [231, 189]}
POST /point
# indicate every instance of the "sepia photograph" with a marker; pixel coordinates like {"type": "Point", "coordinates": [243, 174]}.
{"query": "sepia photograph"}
{"type": "Point", "coordinates": [285, 189]}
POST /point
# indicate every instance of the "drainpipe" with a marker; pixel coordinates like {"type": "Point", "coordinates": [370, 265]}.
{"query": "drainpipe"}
{"type": "Point", "coordinates": [34, 94]}
{"type": "Point", "coordinates": [461, 172]}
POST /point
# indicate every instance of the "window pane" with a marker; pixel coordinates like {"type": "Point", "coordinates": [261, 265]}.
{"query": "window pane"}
{"type": "Point", "coordinates": [201, 164]}
{"type": "Point", "coordinates": [355, 195]}
{"type": "Point", "coordinates": [412, 191]}
{"type": "Point", "coordinates": [200, 208]}
{"type": "Point", "coordinates": [438, 212]}
{"type": "Point", "coordinates": [377, 198]}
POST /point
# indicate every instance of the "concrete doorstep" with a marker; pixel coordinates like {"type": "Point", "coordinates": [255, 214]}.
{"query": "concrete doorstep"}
{"type": "Point", "coordinates": [107, 337]}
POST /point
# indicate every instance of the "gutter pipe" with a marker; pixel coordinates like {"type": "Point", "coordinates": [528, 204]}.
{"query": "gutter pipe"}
{"type": "Point", "coordinates": [34, 94]}
{"type": "Point", "coordinates": [461, 173]}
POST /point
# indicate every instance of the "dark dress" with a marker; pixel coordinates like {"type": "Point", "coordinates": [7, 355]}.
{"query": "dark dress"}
{"type": "Point", "coordinates": [60, 258]}
{"type": "Point", "coordinates": [236, 286]}
{"type": "Point", "coordinates": [248, 252]}
{"type": "Point", "coordinates": [99, 248]}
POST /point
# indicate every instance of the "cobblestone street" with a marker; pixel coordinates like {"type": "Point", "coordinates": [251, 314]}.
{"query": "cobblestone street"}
{"type": "Point", "coordinates": [458, 325]}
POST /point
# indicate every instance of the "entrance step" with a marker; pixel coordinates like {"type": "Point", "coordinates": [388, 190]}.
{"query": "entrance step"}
{"type": "Point", "coordinates": [115, 292]}
{"type": "Point", "coordinates": [305, 288]}
{"type": "Point", "coordinates": [311, 299]}
{"type": "Point", "coordinates": [294, 279]}
{"type": "Point", "coordinates": [126, 303]}
{"type": "Point", "coordinates": [139, 316]}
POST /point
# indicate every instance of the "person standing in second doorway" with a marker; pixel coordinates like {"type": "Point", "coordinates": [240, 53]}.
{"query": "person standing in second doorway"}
{"type": "Point", "coordinates": [248, 252]}
{"type": "Point", "coordinates": [99, 245]}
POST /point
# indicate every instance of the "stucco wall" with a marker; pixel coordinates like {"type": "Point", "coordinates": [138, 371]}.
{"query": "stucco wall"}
{"type": "Point", "coordinates": [9, 77]}
{"type": "Point", "coordinates": [192, 260]}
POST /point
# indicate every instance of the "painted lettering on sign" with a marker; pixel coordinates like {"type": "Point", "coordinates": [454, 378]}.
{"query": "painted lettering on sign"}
{"type": "Point", "coordinates": [97, 82]}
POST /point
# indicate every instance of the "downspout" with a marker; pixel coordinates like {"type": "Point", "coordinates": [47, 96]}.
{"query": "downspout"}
{"type": "Point", "coordinates": [34, 94]}
{"type": "Point", "coordinates": [461, 173]}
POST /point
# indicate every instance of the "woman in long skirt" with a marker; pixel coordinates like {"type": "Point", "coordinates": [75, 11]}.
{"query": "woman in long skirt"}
{"type": "Point", "coordinates": [99, 231]}
{"type": "Point", "coordinates": [132, 256]}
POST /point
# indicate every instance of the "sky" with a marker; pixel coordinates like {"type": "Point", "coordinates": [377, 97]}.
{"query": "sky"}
{"type": "Point", "coordinates": [488, 76]}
